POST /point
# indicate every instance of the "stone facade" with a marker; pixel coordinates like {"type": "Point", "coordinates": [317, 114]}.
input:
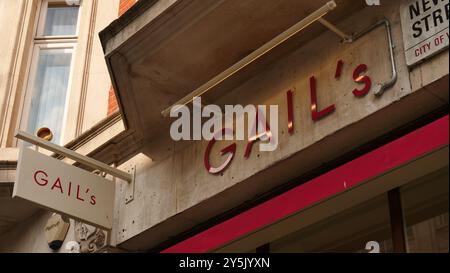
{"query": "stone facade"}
{"type": "Point", "coordinates": [159, 51]}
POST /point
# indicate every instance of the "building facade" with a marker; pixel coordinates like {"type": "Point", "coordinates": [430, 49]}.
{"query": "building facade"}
{"type": "Point", "coordinates": [52, 74]}
{"type": "Point", "coordinates": [361, 157]}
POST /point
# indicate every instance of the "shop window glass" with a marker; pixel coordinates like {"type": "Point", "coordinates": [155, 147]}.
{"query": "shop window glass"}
{"type": "Point", "coordinates": [425, 206]}
{"type": "Point", "coordinates": [348, 231]}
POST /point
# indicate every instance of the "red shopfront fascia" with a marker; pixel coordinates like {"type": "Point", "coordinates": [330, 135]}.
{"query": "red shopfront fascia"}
{"type": "Point", "coordinates": [394, 154]}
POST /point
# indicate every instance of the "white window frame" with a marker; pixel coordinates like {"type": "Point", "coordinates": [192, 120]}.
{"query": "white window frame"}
{"type": "Point", "coordinates": [43, 18]}
{"type": "Point", "coordinates": [41, 42]}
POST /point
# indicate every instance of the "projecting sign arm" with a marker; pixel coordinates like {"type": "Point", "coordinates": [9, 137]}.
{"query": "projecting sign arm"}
{"type": "Point", "coordinates": [74, 156]}
{"type": "Point", "coordinates": [351, 38]}
{"type": "Point", "coordinates": [317, 15]}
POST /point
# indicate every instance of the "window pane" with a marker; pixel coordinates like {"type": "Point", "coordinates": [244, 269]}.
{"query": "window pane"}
{"type": "Point", "coordinates": [61, 20]}
{"type": "Point", "coordinates": [425, 204]}
{"type": "Point", "coordinates": [50, 90]}
{"type": "Point", "coordinates": [346, 232]}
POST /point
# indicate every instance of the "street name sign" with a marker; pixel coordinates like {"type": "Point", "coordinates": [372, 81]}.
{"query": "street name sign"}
{"type": "Point", "coordinates": [425, 28]}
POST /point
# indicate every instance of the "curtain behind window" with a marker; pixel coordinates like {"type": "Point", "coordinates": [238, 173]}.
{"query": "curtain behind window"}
{"type": "Point", "coordinates": [50, 91]}
{"type": "Point", "coordinates": [61, 21]}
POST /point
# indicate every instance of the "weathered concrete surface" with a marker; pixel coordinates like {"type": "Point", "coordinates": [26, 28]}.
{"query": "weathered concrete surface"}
{"type": "Point", "coordinates": [173, 191]}
{"type": "Point", "coordinates": [29, 236]}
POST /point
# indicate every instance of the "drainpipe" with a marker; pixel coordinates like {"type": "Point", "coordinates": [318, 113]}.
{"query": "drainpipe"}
{"type": "Point", "coordinates": [380, 88]}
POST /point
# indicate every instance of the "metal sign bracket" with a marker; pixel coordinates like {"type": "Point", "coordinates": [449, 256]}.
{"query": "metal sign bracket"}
{"type": "Point", "coordinates": [130, 187]}
{"type": "Point", "coordinates": [95, 164]}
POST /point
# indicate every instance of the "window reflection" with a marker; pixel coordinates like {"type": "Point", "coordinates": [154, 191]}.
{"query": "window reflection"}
{"type": "Point", "coordinates": [425, 204]}
{"type": "Point", "coordinates": [61, 20]}
{"type": "Point", "coordinates": [348, 231]}
{"type": "Point", "coordinates": [50, 91]}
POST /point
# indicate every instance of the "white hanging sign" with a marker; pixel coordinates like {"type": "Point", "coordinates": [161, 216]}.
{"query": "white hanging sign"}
{"type": "Point", "coordinates": [64, 188]}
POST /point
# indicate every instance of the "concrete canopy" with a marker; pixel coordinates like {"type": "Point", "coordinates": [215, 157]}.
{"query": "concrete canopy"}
{"type": "Point", "coordinates": [160, 51]}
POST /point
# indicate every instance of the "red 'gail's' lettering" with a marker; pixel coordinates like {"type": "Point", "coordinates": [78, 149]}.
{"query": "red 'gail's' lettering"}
{"type": "Point", "coordinates": [315, 113]}
{"type": "Point", "coordinates": [57, 184]}
{"type": "Point", "coordinates": [78, 194]}
{"type": "Point", "coordinates": [361, 79]}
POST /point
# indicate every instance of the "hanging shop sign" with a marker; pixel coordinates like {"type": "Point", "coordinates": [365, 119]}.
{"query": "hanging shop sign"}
{"type": "Point", "coordinates": [425, 28]}
{"type": "Point", "coordinates": [64, 188]}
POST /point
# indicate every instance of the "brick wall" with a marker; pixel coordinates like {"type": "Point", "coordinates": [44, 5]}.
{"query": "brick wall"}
{"type": "Point", "coordinates": [125, 5]}
{"type": "Point", "coordinates": [112, 101]}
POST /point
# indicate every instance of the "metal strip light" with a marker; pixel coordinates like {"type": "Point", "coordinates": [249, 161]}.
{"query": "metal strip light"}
{"type": "Point", "coordinates": [316, 15]}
